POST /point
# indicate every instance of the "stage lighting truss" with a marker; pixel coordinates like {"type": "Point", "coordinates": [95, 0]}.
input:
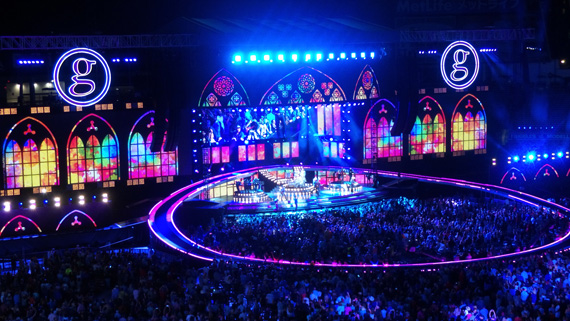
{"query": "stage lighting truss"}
{"type": "Point", "coordinates": [309, 56]}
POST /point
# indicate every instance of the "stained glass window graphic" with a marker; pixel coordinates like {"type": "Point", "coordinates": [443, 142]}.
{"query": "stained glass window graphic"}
{"type": "Point", "coordinates": [306, 83]}
{"type": "Point", "coordinates": [19, 225]}
{"type": "Point", "coordinates": [276, 150]}
{"type": "Point", "coordinates": [303, 85]}
{"type": "Point", "coordinates": [75, 220]}
{"type": "Point", "coordinates": [469, 125]}
{"type": "Point", "coordinates": [428, 134]}
{"type": "Point", "coordinates": [329, 120]}
{"type": "Point", "coordinates": [223, 89]}
{"type": "Point", "coordinates": [295, 99]}
{"type": "Point", "coordinates": [366, 85]}
{"type": "Point", "coordinates": [294, 149]}
{"type": "Point", "coordinates": [378, 140]}
{"type": "Point", "coordinates": [546, 172]}
{"type": "Point", "coordinates": [143, 163]}
{"type": "Point", "coordinates": [30, 156]}
{"type": "Point", "coordinates": [260, 151]}
{"type": "Point", "coordinates": [513, 176]}
{"type": "Point", "coordinates": [93, 151]}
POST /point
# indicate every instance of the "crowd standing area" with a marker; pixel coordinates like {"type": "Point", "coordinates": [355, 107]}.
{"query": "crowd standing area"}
{"type": "Point", "coordinates": [87, 284]}
{"type": "Point", "coordinates": [398, 230]}
{"type": "Point", "coordinates": [125, 285]}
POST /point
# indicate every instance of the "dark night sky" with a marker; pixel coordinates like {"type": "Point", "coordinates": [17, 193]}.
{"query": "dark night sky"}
{"type": "Point", "coordinates": [151, 16]}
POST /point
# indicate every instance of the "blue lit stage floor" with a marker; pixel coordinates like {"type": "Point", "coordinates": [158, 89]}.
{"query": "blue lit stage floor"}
{"type": "Point", "coordinates": [162, 223]}
{"type": "Point", "coordinates": [324, 199]}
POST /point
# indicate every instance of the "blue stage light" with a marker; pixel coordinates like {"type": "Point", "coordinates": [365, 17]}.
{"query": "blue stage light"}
{"type": "Point", "coordinates": [237, 58]}
{"type": "Point", "coordinates": [559, 154]}
{"type": "Point", "coordinates": [372, 54]}
{"type": "Point", "coordinates": [281, 57]}
{"type": "Point", "coordinates": [319, 56]}
{"type": "Point", "coordinates": [342, 55]}
{"type": "Point", "coordinates": [362, 55]}
{"type": "Point", "coordinates": [545, 156]}
{"type": "Point", "coordinates": [266, 57]}
{"type": "Point", "coordinates": [252, 57]}
{"type": "Point", "coordinates": [307, 57]}
{"type": "Point", "coordinates": [294, 57]}
{"type": "Point", "coordinates": [530, 157]}
{"type": "Point", "coordinates": [353, 55]}
{"type": "Point", "coordinates": [516, 158]}
{"type": "Point", "coordinates": [331, 56]}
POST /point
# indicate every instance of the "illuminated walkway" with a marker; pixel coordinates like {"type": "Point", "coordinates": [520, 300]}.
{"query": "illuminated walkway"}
{"type": "Point", "coordinates": [163, 226]}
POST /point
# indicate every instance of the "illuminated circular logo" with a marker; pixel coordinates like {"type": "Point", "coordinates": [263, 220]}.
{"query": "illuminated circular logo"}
{"type": "Point", "coordinates": [459, 65]}
{"type": "Point", "coordinates": [82, 77]}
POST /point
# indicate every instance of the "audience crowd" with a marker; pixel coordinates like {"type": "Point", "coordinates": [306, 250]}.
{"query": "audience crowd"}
{"type": "Point", "coordinates": [127, 285]}
{"type": "Point", "coordinates": [390, 231]}
{"type": "Point", "coordinates": [86, 284]}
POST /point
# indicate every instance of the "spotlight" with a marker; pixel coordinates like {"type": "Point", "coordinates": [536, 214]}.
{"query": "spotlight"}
{"type": "Point", "coordinates": [307, 57]}
{"type": "Point", "coordinates": [530, 157]}
{"type": "Point", "coordinates": [253, 57]}
{"type": "Point", "coordinates": [57, 201]}
{"type": "Point", "coordinates": [294, 57]}
{"type": "Point", "coordinates": [265, 57]}
{"type": "Point", "coordinates": [331, 56]}
{"type": "Point", "coordinates": [545, 156]}
{"type": "Point", "coordinates": [32, 204]}
{"type": "Point", "coordinates": [353, 55]}
{"type": "Point", "coordinates": [105, 197]}
{"type": "Point", "coordinates": [516, 158]}
{"type": "Point", "coordinates": [81, 200]}
{"type": "Point", "coordinates": [237, 58]}
{"type": "Point", "coordinates": [372, 54]}
{"type": "Point", "coordinates": [342, 55]}
{"type": "Point", "coordinates": [319, 56]}
{"type": "Point", "coordinates": [6, 206]}
{"type": "Point", "coordinates": [280, 57]}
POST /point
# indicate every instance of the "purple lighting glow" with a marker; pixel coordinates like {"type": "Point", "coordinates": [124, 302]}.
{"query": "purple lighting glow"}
{"type": "Point", "coordinates": [464, 57]}
{"type": "Point", "coordinates": [81, 71]}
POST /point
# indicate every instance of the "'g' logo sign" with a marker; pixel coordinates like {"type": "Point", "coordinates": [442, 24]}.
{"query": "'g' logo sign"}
{"type": "Point", "coordinates": [86, 74]}
{"type": "Point", "coordinates": [459, 65]}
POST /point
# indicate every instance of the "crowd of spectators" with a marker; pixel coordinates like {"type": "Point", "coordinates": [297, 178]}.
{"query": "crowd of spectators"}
{"type": "Point", "coordinates": [86, 284]}
{"type": "Point", "coordinates": [398, 230]}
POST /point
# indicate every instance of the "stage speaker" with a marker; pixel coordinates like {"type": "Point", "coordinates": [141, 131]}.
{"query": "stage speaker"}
{"type": "Point", "coordinates": [171, 136]}
{"type": "Point", "coordinates": [400, 122]}
{"type": "Point", "coordinates": [411, 118]}
{"type": "Point", "coordinates": [157, 139]}
{"type": "Point", "coordinates": [405, 121]}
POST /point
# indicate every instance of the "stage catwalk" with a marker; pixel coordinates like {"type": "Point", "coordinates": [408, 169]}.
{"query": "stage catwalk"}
{"type": "Point", "coordinates": [309, 196]}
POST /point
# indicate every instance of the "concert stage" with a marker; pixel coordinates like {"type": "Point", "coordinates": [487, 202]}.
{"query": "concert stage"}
{"type": "Point", "coordinates": [286, 188]}
{"type": "Point", "coordinates": [165, 225]}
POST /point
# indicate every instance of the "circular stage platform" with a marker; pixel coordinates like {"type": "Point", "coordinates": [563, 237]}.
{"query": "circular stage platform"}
{"type": "Point", "coordinates": [163, 224]}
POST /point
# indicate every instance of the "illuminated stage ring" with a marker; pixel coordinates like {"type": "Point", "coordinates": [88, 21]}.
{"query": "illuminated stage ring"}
{"type": "Point", "coordinates": [61, 91]}
{"type": "Point", "coordinates": [163, 226]}
{"type": "Point", "coordinates": [444, 57]}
